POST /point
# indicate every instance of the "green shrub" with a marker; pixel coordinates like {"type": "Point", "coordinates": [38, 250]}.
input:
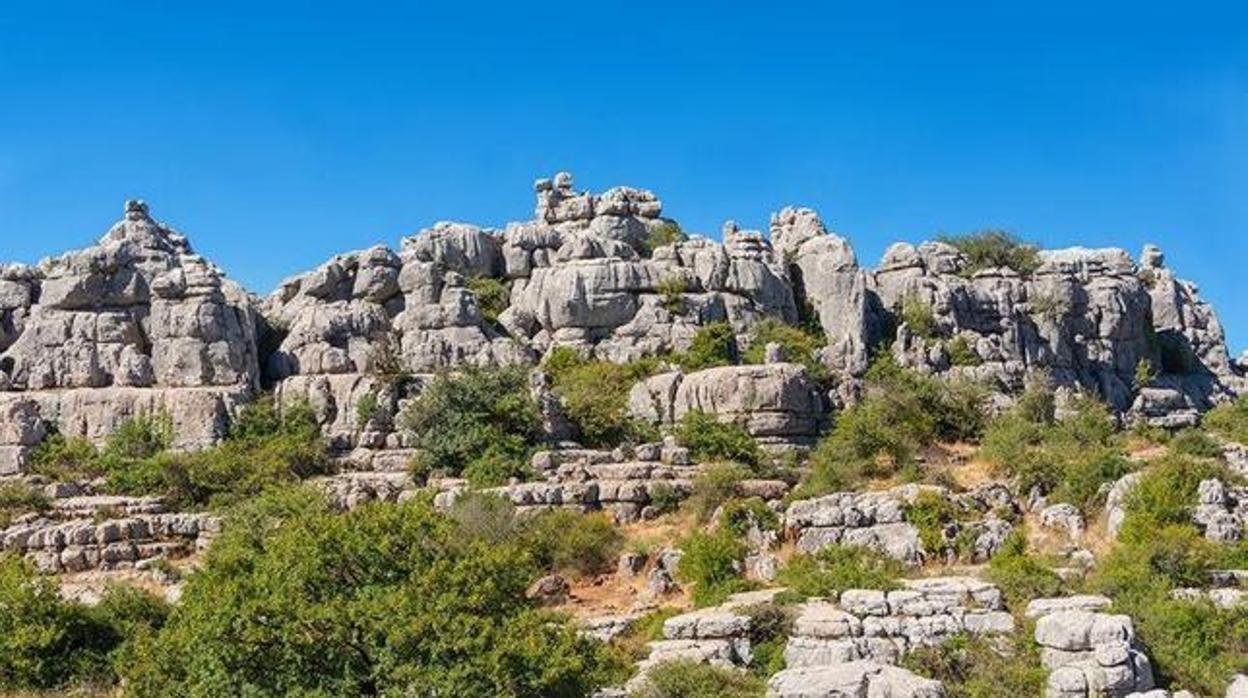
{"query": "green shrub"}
{"type": "Point", "coordinates": [1193, 442]}
{"type": "Point", "coordinates": [961, 353]}
{"type": "Point", "coordinates": [689, 679]}
{"type": "Point", "coordinates": [739, 515]}
{"type": "Point", "coordinates": [712, 345]}
{"type": "Point", "coordinates": [931, 513]}
{"type": "Point", "coordinates": [17, 498]}
{"type": "Point", "coordinates": [1145, 374]}
{"type": "Point", "coordinates": [977, 667]}
{"type": "Point", "coordinates": [714, 486]}
{"type": "Point", "coordinates": [386, 599]}
{"type": "Point", "coordinates": [917, 315]}
{"type": "Point", "coordinates": [900, 413]}
{"type": "Point", "coordinates": [365, 409]}
{"type": "Point", "coordinates": [492, 296]}
{"type": "Point", "coordinates": [709, 439]}
{"type": "Point", "coordinates": [567, 541]}
{"type": "Point", "coordinates": [800, 345]}
{"type": "Point", "coordinates": [672, 288]}
{"type": "Point", "coordinates": [485, 516]}
{"type": "Point", "coordinates": [1229, 420]}
{"type": "Point", "coordinates": [480, 422]}
{"type": "Point", "coordinates": [665, 498]}
{"type": "Point", "coordinates": [669, 233]}
{"type": "Point", "coordinates": [265, 446]}
{"type": "Point", "coordinates": [836, 568]}
{"type": "Point", "coordinates": [1071, 459]}
{"type": "Point", "coordinates": [47, 642]}
{"type": "Point", "coordinates": [1020, 576]}
{"type": "Point", "coordinates": [66, 459]}
{"type": "Point", "coordinates": [594, 394]}
{"type": "Point", "coordinates": [712, 563]}
{"type": "Point", "coordinates": [649, 628]}
{"type": "Point", "coordinates": [988, 249]}
{"type": "Point", "coordinates": [1193, 645]}
{"type": "Point", "coordinates": [770, 626]}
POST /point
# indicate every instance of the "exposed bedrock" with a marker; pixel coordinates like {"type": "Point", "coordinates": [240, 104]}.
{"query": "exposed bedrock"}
{"type": "Point", "coordinates": [138, 322]}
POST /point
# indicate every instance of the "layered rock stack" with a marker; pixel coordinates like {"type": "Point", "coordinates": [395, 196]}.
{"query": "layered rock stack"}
{"type": "Point", "coordinates": [136, 324]}
{"type": "Point", "coordinates": [139, 323]}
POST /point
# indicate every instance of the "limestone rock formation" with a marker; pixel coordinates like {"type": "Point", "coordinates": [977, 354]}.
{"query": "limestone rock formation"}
{"type": "Point", "coordinates": [136, 323]}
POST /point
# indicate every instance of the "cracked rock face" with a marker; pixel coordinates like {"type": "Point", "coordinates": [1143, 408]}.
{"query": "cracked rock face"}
{"type": "Point", "coordinates": [135, 323]}
{"type": "Point", "coordinates": [139, 322]}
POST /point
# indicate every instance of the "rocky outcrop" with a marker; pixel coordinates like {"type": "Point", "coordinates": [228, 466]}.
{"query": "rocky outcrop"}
{"type": "Point", "coordinates": [877, 520]}
{"type": "Point", "coordinates": [882, 626]}
{"type": "Point", "coordinates": [1088, 652]}
{"type": "Point", "coordinates": [80, 544]}
{"type": "Point", "coordinates": [852, 679]}
{"type": "Point", "coordinates": [1222, 512]}
{"type": "Point", "coordinates": [775, 403]}
{"type": "Point", "coordinates": [137, 323]}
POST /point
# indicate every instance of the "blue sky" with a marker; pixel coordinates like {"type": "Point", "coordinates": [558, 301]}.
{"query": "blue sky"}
{"type": "Point", "coordinates": [276, 136]}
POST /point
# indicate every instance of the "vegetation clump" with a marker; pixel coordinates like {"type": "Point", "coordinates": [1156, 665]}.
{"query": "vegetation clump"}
{"type": "Point", "coordinates": [17, 498]}
{"type": "Point", "coordinates": [480, 423]}
{"type": "Point", "coordinates": [901, 412]}
{"type": "Point", "coordinates": [712, 345]}
{"type": "Point", "coordinates": [836, 568]}
{"type": "Point", "coordinates": [1070, 459]}
{"type": "Point", "coordinates": [1229, 420]}
{"type": "Point", "coordinates": [1022, 576]}
{"type": "Point", "coordinates": [977, 667]}
{"type": "Point", "coordinates": [989, 249]}
{"type": "Point", "coordinates": [668, 233]}
{"type": "Point", "coordinates": [385, 599]}
{"type": "Point", "coordinates": [689, 679]}
{"type": "Point", "coordinates": [799, 345]}
{"type": "Point", "coordinates": [712, 562]}
{"type": "Point", "coordinates": [594, 394]}
{"type": "Point", "coordinates": [918, 316]}
{"type": "Point", "coordinates": [709, 439]}
{"type": "Point", "coordinates": [265, 446]}
{"type": "Point", "coordinates": [492, 296]}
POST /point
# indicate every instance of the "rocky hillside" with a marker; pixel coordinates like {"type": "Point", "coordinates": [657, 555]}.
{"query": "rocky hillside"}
{"type": "Point", "coordinates": [730, 468]}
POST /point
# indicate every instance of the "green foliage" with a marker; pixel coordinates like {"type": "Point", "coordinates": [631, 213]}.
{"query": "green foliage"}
{"type": "Point", "coordinates": [64, 459]}
{"type": "Point", "coordinates": [671, 289]}
{"type": "Point", "coordinates": [689, 679]}
{"type": "Point", "coordinates": [1052, 307]}
{"type": "Point", "coordinates": [712, 563]}
{"type": "Point", "coordinates": [492, 296]}
{"type": "Point", "coordinates": [477, 422]}
{"type": "Point", "coordinates": [385, 599]}
{"type": "Point", "coordinates": [714, 486]}
{"type": "Point", "coordinates": [901, 412]}
{"type": "Point", "coordinates": [594, 394]}
{"type": "Point", "coordinates": [770, 625]}
{"type": "Point", "coordinates": [669, 233]}
{"type": "Point", "coordinates": [976, 667]}
{"type": "Point", "coordinates": [1193, 644]}
{"type": "Point", "coordinates": [931, 513]}
{"type": "Point", "coordinates": [47, 642]}
{"type": "Point", "coordinates": [800, 345]}
{"type": "Point", "coordinates": [1070, 459]}
{"type": "Point", "coordinates": [709, 439]}
{"type": "Point", "coordinates": [365, 409]}
{"type": "Point", "coordinates": [1020, 576]}
{"type": "Point", "coordinates": [961, 353]}
{"type": "Point", "coordinates": [17, 498]}
{"type": "Point", "coordinates": [1145, 374]}
{"type": "Point", "coordinates": [665, 498]}
{"type": "Point", "coordinates": [485, 516]}
{"type": "Point", "coordinates": [1193, 442]}
{"type": "Point", "coordinates": [568, 541]}
{"type": "Point", "coordinates": [836, 568]}
{"type": "Point", "coordinates": [712, 345]}
{"type": "Point", "coordinates": [738, 515]}
{"type": "Point", "coordinates": [266, 446]}
{"type": "Point", "coordinates": [917, 315]}
{"type": "Point", "coordinates": [988, 249]}
{"type": "Point", "coordinates": [1229, 420]}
